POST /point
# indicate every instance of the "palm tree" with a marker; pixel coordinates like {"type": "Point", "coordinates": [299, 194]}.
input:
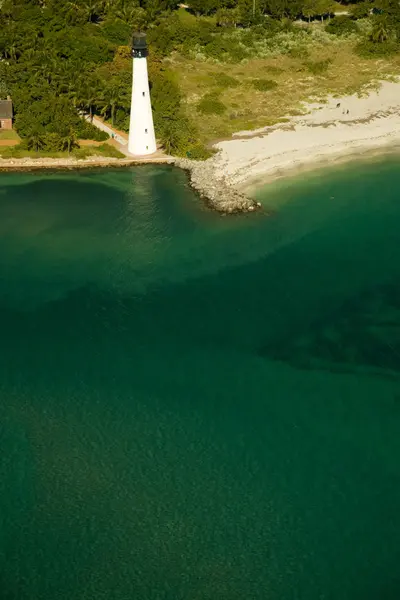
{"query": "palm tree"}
{"type": "Point", "coordinates": [86, 96]}
{"type": "Point", "coordinates": [132, 15]}
{"type": "Point", "coordinates": [35, 141]}
{"type": "Point", "coordinates": [71, 11]}
{"type": "Point", "coordinates": [380, 31]}
{"type": "Point", "coordinates": [227, 17]}
{"type": "Point", "coordinates": [92, 8]}
{"type": "Point", "coordinates": [310, 9]}
{"type": "Point", "coordinates": [110, 99]}
{"type": "Point", "coordinates": [12, 51]}
{"type": "Point", "coordinates": [170, 135]}
{"type": "Point", "coordinates": [68, 141]}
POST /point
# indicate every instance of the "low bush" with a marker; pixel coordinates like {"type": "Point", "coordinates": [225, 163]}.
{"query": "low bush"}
{"type": "Point", "coordinates": [87, 131]}
{"type": "Point", "coordinates": [341, 25]}
{"type": "Point", "coordinates": [210, 104]}
{"type": "Point", "coordinates": [274, 70]}
{"type": "Point", "coordinates": [225, 48]}
{"type": "Point", "coordinates": [318, 67]}
{"type": "Point", "coordinates": [264, 85]}
{"type": "Point", "coordinates": [199, 152]}
{"type": "Point", "coordinates": [116, 32]}
{"type": "Point", "coordinates": [298, 52]}
{"type": "Point", "coordinates": [368, 49]}
{"type": "Point", "coordinates": [360, 10]}
{"type": "Point", "coordinates": [225, 81]}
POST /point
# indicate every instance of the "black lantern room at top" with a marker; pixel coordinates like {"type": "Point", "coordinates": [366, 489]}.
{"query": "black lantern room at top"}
{"type": "Point", "coordinates": [139, 45]}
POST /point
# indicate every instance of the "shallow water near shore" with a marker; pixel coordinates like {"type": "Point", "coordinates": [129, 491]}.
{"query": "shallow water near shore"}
{"type": "Point", "coordinates": [195, 407]}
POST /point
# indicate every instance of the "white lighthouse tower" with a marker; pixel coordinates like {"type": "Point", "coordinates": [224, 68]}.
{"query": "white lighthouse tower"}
{"type": "Point", "coordinates": [142, 139]}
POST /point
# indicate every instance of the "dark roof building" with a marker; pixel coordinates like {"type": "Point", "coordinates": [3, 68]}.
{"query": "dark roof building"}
{"type": "Point", "coordinates": [6, 114]}
{"type": "Point", "coordinates": [6, 111]}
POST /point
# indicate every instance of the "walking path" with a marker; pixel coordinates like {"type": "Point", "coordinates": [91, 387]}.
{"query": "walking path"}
{"type": "Point", "coordinates": [120, 141]}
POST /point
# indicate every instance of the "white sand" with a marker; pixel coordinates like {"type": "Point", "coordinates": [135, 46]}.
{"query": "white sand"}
{"type": "Point", "coordinates": [324, 133]}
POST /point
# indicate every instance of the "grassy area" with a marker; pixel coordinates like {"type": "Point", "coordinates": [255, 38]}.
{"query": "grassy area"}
{"type": "Point", "coordinates": [105, 150]}
{"type": "Point", "coordinates": [102, 150]}
{"type": "Point", "coordinates": [9, 134]}
{"type": "Point", "coordinates": [325, 65]}
{"type": "Point", "coordinates": [20, 152]}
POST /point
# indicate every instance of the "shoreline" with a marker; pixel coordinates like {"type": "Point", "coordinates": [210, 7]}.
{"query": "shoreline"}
{"type": "Point", "coordinates": [216, 192]}
{"type": "Point", "coordinates": [335, 131]}
{"type": "Point", "coordinates": [332, 132]}
{"type": "Point", "coordinates": [322, 161]}
{"type": "Point", "coordinates": [33, 164]}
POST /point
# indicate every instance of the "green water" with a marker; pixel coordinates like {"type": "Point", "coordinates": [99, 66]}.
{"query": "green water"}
{"type": "Point", "coordinates": [195, 407]}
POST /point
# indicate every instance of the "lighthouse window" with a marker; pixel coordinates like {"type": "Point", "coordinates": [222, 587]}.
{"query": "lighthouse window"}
{"type": "Point", "coordinates": [145, 130]}
{"type": "Point", "coordinates": [143, 94]}
{"type": "Point", "coordinates": [147, 147]}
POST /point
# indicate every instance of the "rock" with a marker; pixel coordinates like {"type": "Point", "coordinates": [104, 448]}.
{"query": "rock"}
{"type": "Point", "coordinates": [219, 193]}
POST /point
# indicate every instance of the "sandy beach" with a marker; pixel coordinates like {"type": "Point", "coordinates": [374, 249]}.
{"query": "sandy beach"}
{"type": "Point", "coordinates": [326, 132]}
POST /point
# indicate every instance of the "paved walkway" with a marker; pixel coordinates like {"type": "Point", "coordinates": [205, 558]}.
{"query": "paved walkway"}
{"type": "Point", "coordinates": [120, 138]}
{"type": "Point", "coordinates": [120, 141]}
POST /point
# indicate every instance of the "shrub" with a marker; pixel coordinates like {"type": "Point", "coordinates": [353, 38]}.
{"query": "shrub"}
{"type": "Point", "coordinates": [87, 131]}
{"type": "Point", "coordinates": [273, 69]}
{"type": "Point", "coordinates": [341, 25]}
{"type": "Point", "coordinates": [361, 10]}
{"type": "Point", "coordinates": [319, 66]}
{"type": "Point", "coordinates": [116, 32]}
{"type": "Point", "coordinates": [225, 81]}
{"type": "Point", "coordinates": [264, 85]}
{"type": "Point", "coordinates": [225, 48]}
{"type": "Point", "coordinates": [369, 49]}
{"type": "Point", "coordinates": [199, 152]}
{"type": "Point", "coordinates": [299, 52]}
{"type": "Point", "coordinates": [211, 105]}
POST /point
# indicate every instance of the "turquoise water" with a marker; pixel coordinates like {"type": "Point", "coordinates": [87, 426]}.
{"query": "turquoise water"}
{"type": "Point", "coordinates": [195, 407]}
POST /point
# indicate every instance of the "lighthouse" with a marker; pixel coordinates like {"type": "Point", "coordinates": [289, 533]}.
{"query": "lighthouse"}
{"type": "Point", "coordinates": [142, 139]}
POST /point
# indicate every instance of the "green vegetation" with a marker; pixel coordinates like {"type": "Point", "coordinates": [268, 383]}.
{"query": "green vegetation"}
{"type": "Point", "coordinates": [342, 25]}
{"type": "Point", "coordinates": [102, 150]}
{"type": "Point", "coordinates": [211, 105]}
{"type": "Point", "coordinates": [225, 81]}
{"type": "Point", "coordinates": [58, 59]}
{"type": "Point", "coordinates": [9, 134]}
{"type": "Point", "coordinates": [264, 85]}
{"type": "Point", "coordinates": [319, 66]}
{"type": "Point", "coordinates": [22, 151]}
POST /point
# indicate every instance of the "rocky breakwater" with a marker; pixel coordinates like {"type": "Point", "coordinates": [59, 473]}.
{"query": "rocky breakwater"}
{"type": "Point", "coordinates": [215, 189]}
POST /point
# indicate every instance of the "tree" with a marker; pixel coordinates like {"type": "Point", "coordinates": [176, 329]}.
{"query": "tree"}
{"type": "Point", "coordinates": [86, 96]}
{"type": "Point", "coordinates": [110, 100]}
{"type": "Point", "coordinates": [35, 140]}
{"type": "Point", "coordinates": [92, 10]}
{"type": "Point", "coordinates": [132, 15]}
{"type": "Point", "coordinates": [360, 10]}
{"type": "Point", "coordinates": [310, 9]}
{"type": "Point", "coordinates": [227, 17]}
{"type": "Point", "coordinates": [68, 141]}
{"type": "Point", "coordinates": [380, 30]}
{"type": "Point", "coordinates": [324, 8]}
